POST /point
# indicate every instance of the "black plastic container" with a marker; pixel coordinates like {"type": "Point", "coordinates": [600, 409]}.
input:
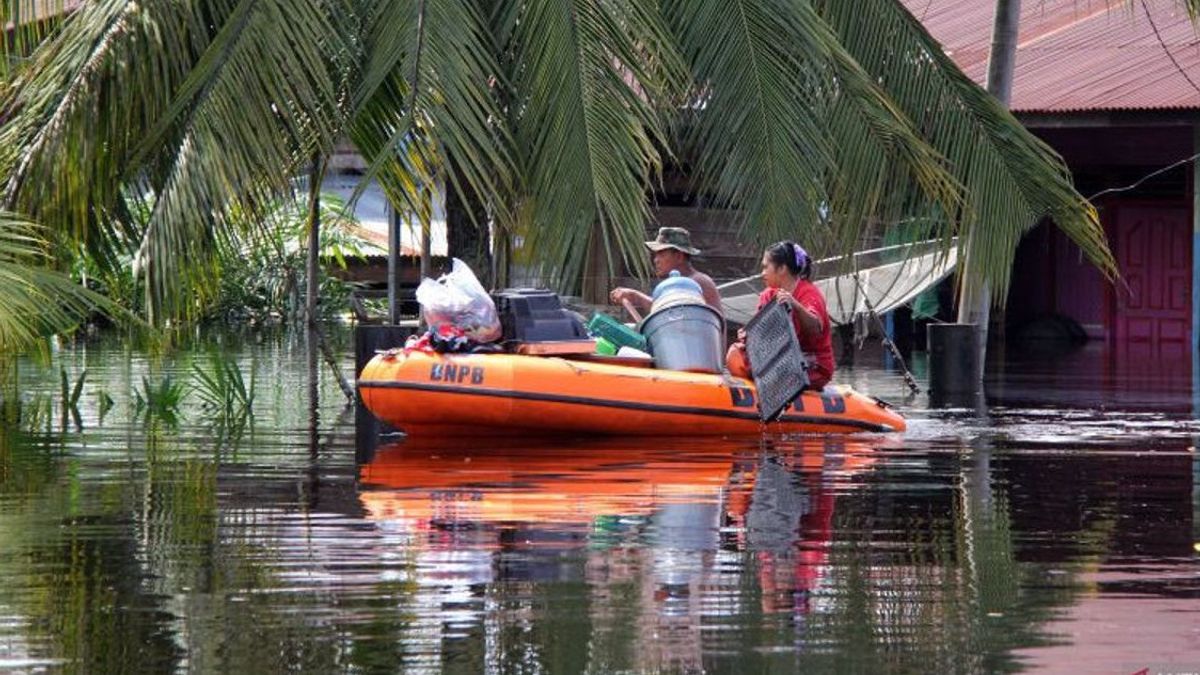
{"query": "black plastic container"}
{"type": "Point", "coordinates": [536, 315]}
{"type": "Point", "coordinates": [954, 365]}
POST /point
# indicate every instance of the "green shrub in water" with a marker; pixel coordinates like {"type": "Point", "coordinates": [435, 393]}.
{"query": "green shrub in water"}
{"type": "Point", "coordinates": [70, 397]}
{"type": "Point", "coordinates": [104, 404]}
{"type": "Point", "coordinates": [223, 392]}
{"type": "Point", "coordinates": [264, 264]}
{"type": "Point", "coordinates": [159, 401]}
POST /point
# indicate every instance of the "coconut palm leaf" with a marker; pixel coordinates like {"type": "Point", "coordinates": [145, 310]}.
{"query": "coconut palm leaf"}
{"type": "Point", "coordinates": [785, 123]}
{"type": "Point", "coordinates": [26, 24]}
{"type": "Point", "coordinates": [446, 50]}
{"type": "Point", "coordinates": [1012, 179]}
{"type": "Point", "coordinates": [233, 123]}
{"type": "Point", "coordinates": [1192, 6]}
{"type": "Point", "coordinates": [34, 301]}
{"type": "Point", "coordinates": [208, 128]}
{"type": "Point", "coordinates": [589, 81]}
{"type": "Point", "coordinates": [814, 117]}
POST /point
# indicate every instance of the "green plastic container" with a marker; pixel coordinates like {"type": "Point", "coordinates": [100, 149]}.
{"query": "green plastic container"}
{"type": "Point", "coordinates": [620, 335]}
{"type": "Point", "coordinates": [603, 346]}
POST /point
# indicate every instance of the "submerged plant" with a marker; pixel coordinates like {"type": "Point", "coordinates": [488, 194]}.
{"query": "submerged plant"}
{"type": "Point", "coordinates": [34, 416]}
{"type": "Point", "coordinates": [10, 395]}
{"type": "Point", "coordinates": [158, 401]}
{"type": "Point", "coordinates": [104, 404]}
{"type": "Point", "coordinates": [70, 397]}
{"type": "Point", "coordinates": [263, 262]}
{"type": "Point", "coordinates": [224, 394]}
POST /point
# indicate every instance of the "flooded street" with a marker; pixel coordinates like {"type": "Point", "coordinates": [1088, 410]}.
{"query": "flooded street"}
{"type": "Point", "coordinates": [1055, 529]}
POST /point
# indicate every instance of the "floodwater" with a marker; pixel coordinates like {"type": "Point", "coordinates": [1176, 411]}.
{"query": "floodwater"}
{"type": "Point", "coordinates": [1054, 529]}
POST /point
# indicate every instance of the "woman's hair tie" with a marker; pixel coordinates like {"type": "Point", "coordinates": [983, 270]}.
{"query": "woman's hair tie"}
{"type": "Point", "coordinates": [801, 255]}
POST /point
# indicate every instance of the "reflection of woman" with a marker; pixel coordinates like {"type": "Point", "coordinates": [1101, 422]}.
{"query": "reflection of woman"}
{"type": "Point", "coordinates": [786, 270]}
{"type": "Point", "coordinates": [784, 508]}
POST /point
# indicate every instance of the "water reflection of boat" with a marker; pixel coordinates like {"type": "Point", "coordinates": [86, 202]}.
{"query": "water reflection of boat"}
{"type": "Point", "coordinates": [462, 486]}
{"type": "Point", "coordinates": [661, 538]}
{"type": "Point", "coordinates": [477, 394]}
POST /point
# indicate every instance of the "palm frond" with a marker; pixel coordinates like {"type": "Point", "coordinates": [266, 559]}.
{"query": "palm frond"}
{"type": "Point", "coordinates": [34, 301]}
{"type": "Point", "coordinates": [444, 131]}
{"type": "Point", "coordinates": [210, 125]}
{"type": "Point", "coordinates": [26, 23]}
{"type": "Point", "coordinates": [786, 126]}
{"type": "Point", "coordinates": [589, 81]}
{"type": "Point", "coordinates": [1192, 7]}
{"type": "Point", "coordinates": [1011, 178]}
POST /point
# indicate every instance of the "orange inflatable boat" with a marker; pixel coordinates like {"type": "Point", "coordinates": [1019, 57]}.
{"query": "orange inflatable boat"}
{"type": "Point", "coordinates": [475, 394]}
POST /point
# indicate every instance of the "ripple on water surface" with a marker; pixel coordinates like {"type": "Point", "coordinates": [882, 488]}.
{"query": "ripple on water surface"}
{"type": "Point", "coordinates": [982, 540]}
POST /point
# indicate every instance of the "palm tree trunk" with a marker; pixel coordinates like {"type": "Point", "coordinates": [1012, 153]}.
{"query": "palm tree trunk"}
{"type": "Point", "coordinates": [426, 247]}
{"type": "Point", "coordinates": [596, 276]}
{"type": "Point", "coordinates": [466, 232]}
{"type": "Point", "coordinates": [975, 304]}
{"type": "Point", "coordinates": [1003, 59]}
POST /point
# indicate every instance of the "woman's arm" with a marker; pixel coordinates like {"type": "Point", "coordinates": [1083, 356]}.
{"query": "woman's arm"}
{"type": "Point", "coordinates": [810, 323]}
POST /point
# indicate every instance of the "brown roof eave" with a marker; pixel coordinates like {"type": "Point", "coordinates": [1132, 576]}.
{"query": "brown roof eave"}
{"type": "Point", "coordinates": [1122, 117]}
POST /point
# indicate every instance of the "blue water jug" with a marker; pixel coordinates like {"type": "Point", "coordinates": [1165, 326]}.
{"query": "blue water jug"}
{"type": "Point", "coordinates": [677, 283]}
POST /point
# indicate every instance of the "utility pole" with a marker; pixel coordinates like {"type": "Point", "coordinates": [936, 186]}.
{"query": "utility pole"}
{"type": "Point", "coordinates": [976, 301]}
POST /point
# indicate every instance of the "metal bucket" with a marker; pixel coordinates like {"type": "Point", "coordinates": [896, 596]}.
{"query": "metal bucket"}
{"type": "Point", "coordinates": [685, 336]}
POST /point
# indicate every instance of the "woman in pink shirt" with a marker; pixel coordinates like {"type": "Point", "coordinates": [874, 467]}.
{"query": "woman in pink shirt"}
{"type": "Point", "coordinates": [786, 271]}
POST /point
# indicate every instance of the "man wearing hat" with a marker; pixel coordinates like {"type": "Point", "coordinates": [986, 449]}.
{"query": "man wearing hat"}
{"type": "Point", "coordinates": [671, 250]}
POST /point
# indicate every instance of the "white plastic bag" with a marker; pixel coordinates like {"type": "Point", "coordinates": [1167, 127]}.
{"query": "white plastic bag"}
{"type": "Point", "coordinates": [458, 300]}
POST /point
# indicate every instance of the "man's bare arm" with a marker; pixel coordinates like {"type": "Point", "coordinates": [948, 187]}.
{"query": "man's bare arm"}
{"type": "Point", "coordinates": [711, 295]}
{"type": "Point", "coordinates": [638, 299]}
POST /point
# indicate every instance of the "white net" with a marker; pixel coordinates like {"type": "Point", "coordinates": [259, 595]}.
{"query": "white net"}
{"type": "Point", "coordinates": [878, 281]}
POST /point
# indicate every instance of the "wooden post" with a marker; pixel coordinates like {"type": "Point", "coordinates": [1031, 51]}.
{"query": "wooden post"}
{"type": "Point", "coordinates": [426, 244]}
{"type": "Point", "coordinates": [1196, 275]}
{"type": "Point", "coordinates": [501, 256]}
{"type": "Point", "coordinates": [393, 279]}
{"type": "Point", "coordinates": [1195, 247]}
{"type": "Point", "coordinates": [315, 174]}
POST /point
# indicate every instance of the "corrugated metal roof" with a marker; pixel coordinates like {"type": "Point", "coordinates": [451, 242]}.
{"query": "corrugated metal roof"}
{"type": "Point", "coordinates": [28, 11]}
{"type": "Point", "coordinates": [1079, 55]}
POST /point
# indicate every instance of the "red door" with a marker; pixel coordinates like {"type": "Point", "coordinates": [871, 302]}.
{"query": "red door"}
{"type": "Point", "coordinates": [1153, 317]}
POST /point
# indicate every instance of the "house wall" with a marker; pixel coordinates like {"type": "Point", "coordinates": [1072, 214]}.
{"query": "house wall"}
{"type": "Point", "coordinates": [725, 255]}
{"type": "Point", "coordinates": [1149, 229]}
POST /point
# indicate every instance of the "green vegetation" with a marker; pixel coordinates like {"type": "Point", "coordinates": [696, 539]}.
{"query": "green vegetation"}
{"type": "Point", "coordinates": [159, 401]}
{"type": "Point", "coordinates": [262, 265]}
{"type": "Point", "coordinates": [36, 301]}
{"type": "Point", "coordinates": [70, 397]}
{"type": "Point", "coordinates": [144, 135]}
{"type": "Point", "coordinates": [225, 397]}
{"type": "Point", "coordinates": [259, 268]}
{"type": "Point", "coordinates": [104, 403]}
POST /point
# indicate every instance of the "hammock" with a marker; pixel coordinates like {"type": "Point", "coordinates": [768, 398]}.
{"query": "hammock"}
{"type": "Point", "coordinates": [875, 281]}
